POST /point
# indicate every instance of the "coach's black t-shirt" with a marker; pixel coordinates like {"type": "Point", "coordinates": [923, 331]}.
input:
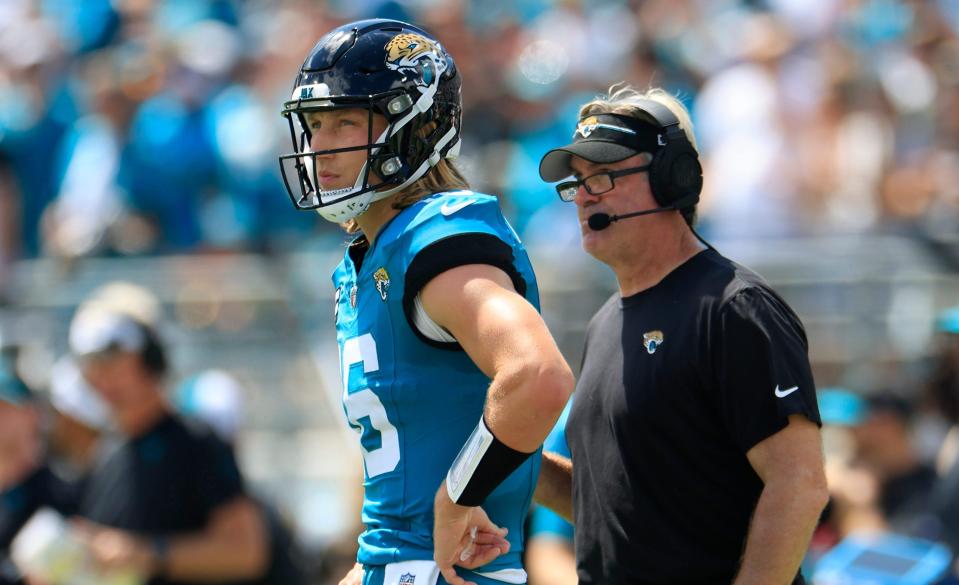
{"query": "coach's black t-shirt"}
{"type": "Point", "coordinates": [164, 482]}
{"type": "Point", "coordinates": [678, 382]}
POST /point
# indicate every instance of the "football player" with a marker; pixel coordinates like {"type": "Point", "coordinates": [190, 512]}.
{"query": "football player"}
{"type": "Point", "coordinates": [450, 377]}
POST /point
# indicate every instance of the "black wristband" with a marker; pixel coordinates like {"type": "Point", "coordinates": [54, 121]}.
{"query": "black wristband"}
{"type": "Point", "coordinates": [482, 464]}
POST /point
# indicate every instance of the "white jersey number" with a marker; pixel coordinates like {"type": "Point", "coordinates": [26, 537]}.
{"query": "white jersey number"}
{"type": "Point", "coordinates": [378, 437]}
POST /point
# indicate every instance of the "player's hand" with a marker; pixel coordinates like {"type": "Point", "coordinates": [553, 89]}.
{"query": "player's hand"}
{"type": "Point", "coordinates": [354, 577]}
{"type": "Point", "coordinates": [463, 536]}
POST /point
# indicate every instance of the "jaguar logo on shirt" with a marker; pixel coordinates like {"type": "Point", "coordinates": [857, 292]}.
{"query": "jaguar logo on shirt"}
{"type": "Point", "coordinates": [382, 279]}
{"type": "Point", "coordinates": [652, 340]}
{"type": "Point", "coordinates": [353, 296]}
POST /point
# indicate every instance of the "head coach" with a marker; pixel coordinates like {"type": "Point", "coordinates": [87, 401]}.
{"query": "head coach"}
{"type": "Point", "coordinates": [696, 453]}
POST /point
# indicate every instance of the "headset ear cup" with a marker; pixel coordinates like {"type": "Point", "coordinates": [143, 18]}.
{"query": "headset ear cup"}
{"type": "Point", "coordinates": [686, 175]}
{"type": "Point", "coordinates": [659, 177]}
{"type": "Point", "coordinates": [675, 174]}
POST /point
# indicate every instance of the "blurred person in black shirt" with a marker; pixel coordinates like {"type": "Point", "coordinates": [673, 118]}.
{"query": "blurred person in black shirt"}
{"type": "Point", "coordinates": [883, 446]}
{"type": "Point", "coordinates": [19, 454]}
{"type": "Point", "coordinates": [216, 398]}
{"type": "Point", "coordinates": [942, 396]}
{"type": "Point", "coordinates": [696, 451]}
{"type": "Point", "coordinates": [167, 498]}
{"type": "Point", "coordinates": [26, 482]}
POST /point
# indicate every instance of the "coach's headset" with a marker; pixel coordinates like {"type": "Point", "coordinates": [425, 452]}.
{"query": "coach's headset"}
{"type": "Point", "coordinates": [675, 174]}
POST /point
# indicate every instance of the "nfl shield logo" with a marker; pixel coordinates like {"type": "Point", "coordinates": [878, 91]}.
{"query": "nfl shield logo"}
{"type": "Point", "coordinates": [407, 579]}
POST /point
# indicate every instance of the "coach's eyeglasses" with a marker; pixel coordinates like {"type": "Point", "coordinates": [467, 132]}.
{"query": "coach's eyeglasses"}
{"type": "Point", "coordinates": [595, 184]}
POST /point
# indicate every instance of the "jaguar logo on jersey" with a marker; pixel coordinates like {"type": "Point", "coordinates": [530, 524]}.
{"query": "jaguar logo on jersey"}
{"type": "Point", "coordinates": [652, 340]}
{"type": "Point", "coordinates": [353, 296]}
{"type": "Point", "coordinates": [406, 52]}
{"type": "Point", "coordinates": [382, 279]}
{"type": "Point", "coordinates": [407, 579]}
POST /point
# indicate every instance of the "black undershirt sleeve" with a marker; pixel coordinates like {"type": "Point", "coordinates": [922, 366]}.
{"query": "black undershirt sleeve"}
{"type": "Point", "coordinates": [448, 253]}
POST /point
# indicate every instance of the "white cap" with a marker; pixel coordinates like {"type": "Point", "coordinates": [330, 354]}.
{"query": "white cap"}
{"type": "Point", "coordinates": [127, 299]}
{"type": "Point", "coordinates": [95, 330]}
{"type": "Point", "coordinates": [73, 397]}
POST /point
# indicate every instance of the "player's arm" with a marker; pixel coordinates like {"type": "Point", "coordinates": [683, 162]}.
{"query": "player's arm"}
{"type": "Point", "coordinates": [507, 339]}
{"type": "Point", "coordinates": [790, 464]}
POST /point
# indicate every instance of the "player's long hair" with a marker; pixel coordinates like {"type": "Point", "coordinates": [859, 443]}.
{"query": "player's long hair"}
{"type": "Point", "coordinates": [442, 177]}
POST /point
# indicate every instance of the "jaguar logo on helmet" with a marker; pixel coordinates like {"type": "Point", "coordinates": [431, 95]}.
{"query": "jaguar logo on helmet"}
{"type": "Point", "coordinates": [406, 51]}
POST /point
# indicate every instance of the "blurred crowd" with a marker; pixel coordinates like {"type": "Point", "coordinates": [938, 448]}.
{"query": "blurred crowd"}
{"type": "Point", "coordinates": [133, 127]}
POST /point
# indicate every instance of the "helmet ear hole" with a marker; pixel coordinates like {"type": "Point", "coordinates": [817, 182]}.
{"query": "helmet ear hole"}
{"type": "Point", "coordinates": [389, 167]}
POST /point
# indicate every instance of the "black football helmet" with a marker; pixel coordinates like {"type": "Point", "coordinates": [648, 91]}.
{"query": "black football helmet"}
{"type": "Point", "coordinates": [389, 68]}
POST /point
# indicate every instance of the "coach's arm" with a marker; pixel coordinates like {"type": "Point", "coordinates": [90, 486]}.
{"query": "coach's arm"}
{"type": "Point", "coordinates": [790, 464]}
{"type": "Point", "coordinates": [555, 486]}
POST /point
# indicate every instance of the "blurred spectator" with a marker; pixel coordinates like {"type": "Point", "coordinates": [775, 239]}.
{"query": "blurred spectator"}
{"type": "Point", "coordinates": [167, 500]}
{"type": "Point", "coordinates": [17, 424]}
{"type": "Point", "coordinates": [884, 448]}
{"type": "Point", "coordinates": [25, 483]}
{"type": "Point", "coordinates": [216, 398]}
{"type": "Point", "coordinates": [19, 420]}
{"type": "Point", "coordinates": [80, 418]}
{"type": "Point", "coordinates": [943, 394]}
{"type": "Point", "coordinates": [876, 479]}
{"type": "Point", "coordinates": [157, 115]}
{"type": "Point", "coordinates": [853, 506]}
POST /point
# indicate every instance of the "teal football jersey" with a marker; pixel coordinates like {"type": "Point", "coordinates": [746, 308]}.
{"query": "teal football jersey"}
{"type": "Point", "coordinates": [414, 401]}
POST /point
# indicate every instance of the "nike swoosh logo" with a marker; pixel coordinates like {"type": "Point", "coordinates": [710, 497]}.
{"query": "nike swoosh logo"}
{"type": "Point", "coordinates": [448, 209]}
{"type": "Point", "coordinates": [786, 392]}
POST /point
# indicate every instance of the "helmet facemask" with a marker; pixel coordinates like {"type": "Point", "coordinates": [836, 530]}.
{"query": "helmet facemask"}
{"type": "Point", "coordinates": [343, 203]}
